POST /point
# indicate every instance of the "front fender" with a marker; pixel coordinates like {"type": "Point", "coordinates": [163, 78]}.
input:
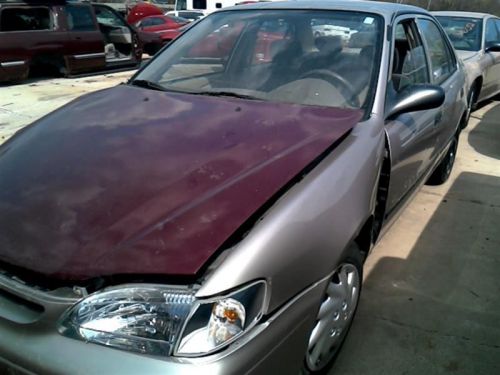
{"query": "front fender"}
{"type": "Point", "coordinates": [302, 237]}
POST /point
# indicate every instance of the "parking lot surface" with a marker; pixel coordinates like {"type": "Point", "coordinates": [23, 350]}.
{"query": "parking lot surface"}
{"type": "Point", "coordinates": [23, 103]}
{"type": "Point", "coordinates": [431, 299]}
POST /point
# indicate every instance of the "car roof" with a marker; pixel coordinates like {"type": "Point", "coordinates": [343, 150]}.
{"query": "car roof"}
{"type": "Point", "coordinates": [463, 14]}
{"type": "Point", "coordinates": [382, 8]}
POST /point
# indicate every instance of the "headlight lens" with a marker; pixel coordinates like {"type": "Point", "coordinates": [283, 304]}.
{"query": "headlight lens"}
{"type": "Point", "coordinates": [157, 320]}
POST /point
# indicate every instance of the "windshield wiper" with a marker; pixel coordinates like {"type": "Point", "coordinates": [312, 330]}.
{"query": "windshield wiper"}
{"type": "Point", "coordinates": [226, 93]}
{"type": "Point", "coordinates": [148, 84]}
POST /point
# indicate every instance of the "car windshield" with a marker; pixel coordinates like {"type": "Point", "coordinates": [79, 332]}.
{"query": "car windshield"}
{"type": "Point", "coordinates": [324, 58]}
{"type": "Point", "coordinates": [464, 32]}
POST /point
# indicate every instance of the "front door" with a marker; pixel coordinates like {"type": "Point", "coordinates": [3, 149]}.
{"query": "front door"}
{"type": "Point", "coordinates": [85, 44]}
{"type": "Point", "coordinates": [445, 73]}
{"type": "Point", "coordinates": [411, 135]}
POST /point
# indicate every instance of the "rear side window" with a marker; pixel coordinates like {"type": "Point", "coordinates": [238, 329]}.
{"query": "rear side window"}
{"type": "Point", "coordinates": [80, 18]}
{"type": "Point", "coordinates": [25, 19]}
{"type": "Point", "coordinates": [442, 61]}
{"type": "Point", "coordinates": [157, 21]}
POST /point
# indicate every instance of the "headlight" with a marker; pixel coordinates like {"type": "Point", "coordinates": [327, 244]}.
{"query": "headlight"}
{"type": "Point", "coordinates": [158, 320]}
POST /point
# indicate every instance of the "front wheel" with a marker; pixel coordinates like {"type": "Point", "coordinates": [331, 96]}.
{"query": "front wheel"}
{"type": "Point", "coordinates": [471, 106]}
{"type": "Point", "coordinates": [335, 315]}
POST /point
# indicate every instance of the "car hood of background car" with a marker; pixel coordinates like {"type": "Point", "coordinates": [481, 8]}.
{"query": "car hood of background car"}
{"type": "Point", "coordinates": [135, 181]}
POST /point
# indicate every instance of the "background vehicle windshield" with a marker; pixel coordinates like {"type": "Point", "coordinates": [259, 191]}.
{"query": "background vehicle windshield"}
{"type": "Point", "coordinates": [465, 33]}
{"type": "Point", "coordinates": [325, 58]}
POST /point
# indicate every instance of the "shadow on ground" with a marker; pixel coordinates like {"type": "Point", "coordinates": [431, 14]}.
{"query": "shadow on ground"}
{"type": "Point", "coordinates": [438, 311]}
{"type": "Point", "coordinates": [485, 137]}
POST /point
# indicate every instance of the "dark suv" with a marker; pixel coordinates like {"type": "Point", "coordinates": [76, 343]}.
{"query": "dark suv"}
{"type": "Point", "coordinates": [71, 37]}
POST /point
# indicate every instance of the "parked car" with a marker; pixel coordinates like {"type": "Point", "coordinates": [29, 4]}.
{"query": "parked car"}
{"type": "Point", "coordinates": [138, 236]}
{"type": "Point", "coordinates": [321, 28]}
{"type": "Point", "coordinates": [191, 15]}
{"type": "Point", "coordinates": [160, 23]}
{"type": "Point", "coordinates": [69, 37]}
{"type": "Point", "coordinates": [476, 37]}
{"type": "Point", "coordinates": [141, 10]}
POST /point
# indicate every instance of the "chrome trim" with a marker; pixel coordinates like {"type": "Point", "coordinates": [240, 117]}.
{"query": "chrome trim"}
{"type": "Point", "coordinates": [8, 64]}
{"type": "Point", "coordinates": [89, 56]}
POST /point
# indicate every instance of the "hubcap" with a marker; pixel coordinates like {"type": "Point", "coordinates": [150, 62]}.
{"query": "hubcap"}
{"type": "Point", "coordinates": [334, 316]}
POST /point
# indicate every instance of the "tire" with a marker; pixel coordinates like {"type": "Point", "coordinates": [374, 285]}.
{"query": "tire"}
{"type": "Point", "coordinates": [443, 170]}
{"type": "Point", "coordinates": [473, 96]}
{"type": "Point", "coordinates": [470, 100]}
{"type": "Point", "coordinates": [62, 68]}
{"type": "Point", "coordinates": [151, 49]}
{"type": "Point", "coordinates": [335, 314]}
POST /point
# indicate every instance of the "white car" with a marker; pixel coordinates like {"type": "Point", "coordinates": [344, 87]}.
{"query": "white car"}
{"type": "Point", "coordinates": [324, 28]}
{"type": "Point", "coordinates": [476, 37]}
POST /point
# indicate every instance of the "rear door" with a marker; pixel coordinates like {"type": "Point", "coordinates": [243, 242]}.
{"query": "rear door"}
{"type": "Point", "coordinates": [411, 135]}
{"type": "Point", "coordinates": [445, 73]}
{"type": "Point", "coordinates": [85, 43]}
{"type": "Point", "coordinates": [28, 34]}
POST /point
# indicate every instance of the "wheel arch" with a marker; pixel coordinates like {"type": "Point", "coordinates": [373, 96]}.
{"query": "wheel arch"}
{"type": "Point", "coordinates": [371, 229]}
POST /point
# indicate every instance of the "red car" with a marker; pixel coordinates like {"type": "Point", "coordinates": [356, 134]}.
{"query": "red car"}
{"type": "Point", "coordinates": [142, 10]}
{"type": "Point", "coordinates": [70, 38]}
{"type": "Point", "coordinates": [160, 23]}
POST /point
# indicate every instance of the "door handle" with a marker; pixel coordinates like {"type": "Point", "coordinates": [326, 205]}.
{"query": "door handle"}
{"type": "Point", "coordinates": [438, 118]}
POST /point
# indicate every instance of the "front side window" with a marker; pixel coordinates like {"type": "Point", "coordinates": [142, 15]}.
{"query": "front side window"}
{"type": "Point", "coordinates": [80, 18]}
{"type": "Point", "coordinates": [25, 19]}
{"type": "Point", "coordinates": [441, 58]}
{"type": "Point", "coordinates": [465, 33]}
{"type": "Point", "coordinates": [409, 66]}
{"type": "Point", "coordinates": [107, 17]}
{"type": "Point", "coordinates": [275, 56]}
{"type": "Point", "coordinates": [492, 35]}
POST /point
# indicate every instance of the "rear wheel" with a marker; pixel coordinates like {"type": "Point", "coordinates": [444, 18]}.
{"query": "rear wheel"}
{"type": "Point", "coordinates": [335, 315]}
{"type": "Point", "coordinates": [443, 170]}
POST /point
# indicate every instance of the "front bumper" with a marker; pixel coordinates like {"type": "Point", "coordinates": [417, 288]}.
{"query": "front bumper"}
{"type": "Point", "coordinates": [29, 342]}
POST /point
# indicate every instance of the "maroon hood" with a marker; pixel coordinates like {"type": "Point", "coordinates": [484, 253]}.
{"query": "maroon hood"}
{"type": "Point", "coordinates": [129, 180]}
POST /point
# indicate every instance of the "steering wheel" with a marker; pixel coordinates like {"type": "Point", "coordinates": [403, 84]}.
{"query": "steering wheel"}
{"type": "Point", "coordinates": [334, 79]}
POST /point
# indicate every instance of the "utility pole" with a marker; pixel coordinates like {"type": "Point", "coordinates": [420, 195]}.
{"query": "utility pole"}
{"type": "Point", "coordinates": [429, 5]}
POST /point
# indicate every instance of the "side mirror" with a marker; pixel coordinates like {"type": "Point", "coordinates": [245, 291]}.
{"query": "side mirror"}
{"type": "Point", "coordinates": [415, 98]}
{"type": "Point", "coordinates": [494, 47]}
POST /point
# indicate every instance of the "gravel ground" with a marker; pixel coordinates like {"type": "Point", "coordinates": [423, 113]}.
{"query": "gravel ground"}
{"type": "Point", "coordinates": [23, 103]}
